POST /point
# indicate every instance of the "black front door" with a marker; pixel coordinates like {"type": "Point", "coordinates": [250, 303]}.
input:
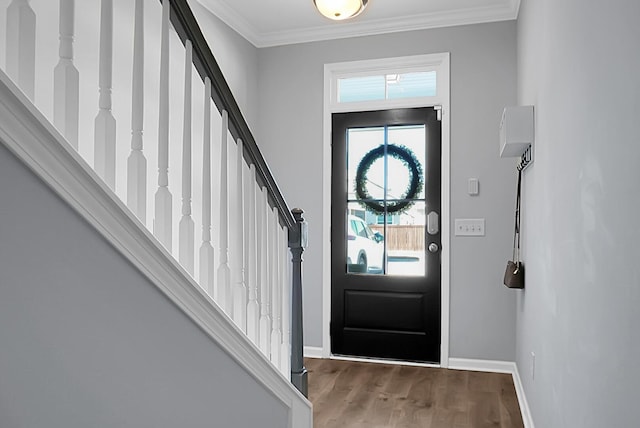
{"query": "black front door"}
{"type": "Point", "coordinates": [385, 239]}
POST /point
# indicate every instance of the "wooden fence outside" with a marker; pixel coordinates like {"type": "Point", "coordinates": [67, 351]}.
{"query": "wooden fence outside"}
{"type": "Point", "coordinates": [401, 237]}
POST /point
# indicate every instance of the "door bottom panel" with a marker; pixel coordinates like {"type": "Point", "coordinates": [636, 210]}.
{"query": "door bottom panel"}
{"type": "Point", "coordinates": [369, 310]}
{"type": "Point", "coordinates": [401, 345]}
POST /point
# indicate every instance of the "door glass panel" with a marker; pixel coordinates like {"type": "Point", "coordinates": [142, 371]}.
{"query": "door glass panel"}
{"type": "Point", "coordinates": [405, 242]}
{"type": "Point", "coordinates": [361, 141]}
{"type": "Point", "coordinates": [365, 241]}
{"type": "Point", "coordinates": [385, 215]}
{"type": "Point", "coordinates": [413, 138]}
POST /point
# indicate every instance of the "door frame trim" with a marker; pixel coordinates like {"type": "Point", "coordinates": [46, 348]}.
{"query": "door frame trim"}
{"type": "Point", "coordinates": [332, 72]}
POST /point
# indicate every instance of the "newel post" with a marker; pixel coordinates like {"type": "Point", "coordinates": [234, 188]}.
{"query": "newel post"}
{"type": "Point", "coordinates": [298, 239]}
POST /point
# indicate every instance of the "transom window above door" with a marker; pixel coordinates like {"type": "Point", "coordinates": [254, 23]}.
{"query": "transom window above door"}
{"type": "Point", "coordinates": [390, 83]}
{"type": "Point", "coordinates": [387, 86]}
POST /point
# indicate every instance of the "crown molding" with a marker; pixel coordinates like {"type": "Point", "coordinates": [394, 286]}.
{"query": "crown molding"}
{"type": "Point", "coordinates": [233, 19]}
{"type": "Point", "coordinates": [479, 15]}
{"type": "Point", "coordinates": [392, 25]}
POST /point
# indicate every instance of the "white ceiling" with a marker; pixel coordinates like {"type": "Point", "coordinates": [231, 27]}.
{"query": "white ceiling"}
{"type": "Point", "coordinates": [280, 22]}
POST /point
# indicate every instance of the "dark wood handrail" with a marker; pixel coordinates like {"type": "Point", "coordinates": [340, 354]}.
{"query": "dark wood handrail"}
{"type": "Point", "coordinates": [187, 28]}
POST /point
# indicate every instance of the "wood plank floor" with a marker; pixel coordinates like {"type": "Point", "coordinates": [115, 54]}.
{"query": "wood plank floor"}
{"type": "Point", "coordinates": [349, 394]}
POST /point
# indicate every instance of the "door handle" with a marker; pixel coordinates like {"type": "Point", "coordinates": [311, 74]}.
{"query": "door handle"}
{"type": "Point", "coordinates": [433, 226]}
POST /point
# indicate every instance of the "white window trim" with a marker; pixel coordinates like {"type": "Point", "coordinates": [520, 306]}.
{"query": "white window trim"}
{"type": "Point", "coordinates": [332, 72]}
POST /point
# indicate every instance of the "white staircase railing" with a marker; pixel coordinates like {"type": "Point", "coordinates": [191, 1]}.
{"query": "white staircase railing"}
{"type": "Point", "coordinates": [21, 45]}
{"type": "Point", "coordinates": [133, 75]}
{"type": "Point", "coordinates": [137, 163]}
{"type": "Point", "coordinates": [66, 83]}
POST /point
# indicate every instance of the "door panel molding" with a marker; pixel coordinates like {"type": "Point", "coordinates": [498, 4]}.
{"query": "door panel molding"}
{"type": "Point", "coordinates": [377, 301]}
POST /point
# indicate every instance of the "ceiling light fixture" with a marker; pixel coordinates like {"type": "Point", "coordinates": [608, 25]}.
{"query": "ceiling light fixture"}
{"type": "Point", "coordinates": [340, 9]}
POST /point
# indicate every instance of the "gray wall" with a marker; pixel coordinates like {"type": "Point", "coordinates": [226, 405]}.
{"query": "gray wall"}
{"type": "Point", "coordinates": [483, 81]}
{"type": "Point", "coordinates": [579, 64]}
{"type": "Point", "coordinates": [87, 341]}
{"type": "Point", "coordinates": [237, 58]}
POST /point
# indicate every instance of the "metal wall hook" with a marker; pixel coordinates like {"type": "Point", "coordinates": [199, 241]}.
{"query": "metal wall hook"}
{"type": "Point", "coordinates": [526, 159]}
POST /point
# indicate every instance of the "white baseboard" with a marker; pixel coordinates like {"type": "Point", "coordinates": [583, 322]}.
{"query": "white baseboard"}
{"type": "Point", "coordinates": [313, 352]}
{"type": "Point", "coordinates": [527, 418]}
{"type": "Point", "coordinates": [498, 367]}
{"type": "Point", "coordinates": [482, 365]}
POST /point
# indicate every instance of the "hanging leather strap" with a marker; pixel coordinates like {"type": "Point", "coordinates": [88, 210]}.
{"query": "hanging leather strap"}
{"type": "Point", "coordinates": [516, 233]}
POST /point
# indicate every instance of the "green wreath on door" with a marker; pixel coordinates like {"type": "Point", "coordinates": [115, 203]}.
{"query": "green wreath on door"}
{"type": "Point", "coordinates": [414, 168]}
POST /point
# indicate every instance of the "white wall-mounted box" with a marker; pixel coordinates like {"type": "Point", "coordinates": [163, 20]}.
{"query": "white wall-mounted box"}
{"type": "Point", "coordinates": [516, 130]}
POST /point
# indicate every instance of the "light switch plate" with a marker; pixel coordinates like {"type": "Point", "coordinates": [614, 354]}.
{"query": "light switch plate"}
{"type": "Point", "coordinates": [469, 227]}
{"type": "Point", "coordinates": [474, 186]}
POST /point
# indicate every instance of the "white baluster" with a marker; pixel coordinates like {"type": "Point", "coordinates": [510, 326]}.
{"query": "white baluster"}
{"type": "Point", "coordinates": [187, 225]}
{"type": "Point", "coordinates": [285, 355]}
{"type": "Point", "coordinates": [137, 163]}
{"type": "Point", "coordinates": [105, 123]}
{"type": "Point", "coordinates": [66, 94]}
{"type": "Point", "coordinates": [224, 271]}
{"type": "Point", "coordinates": [162, 221]}
{"type": "Point", "coordinates": [240, 290]}
{"type": "Point", "coordinates": [206, 249]}
{"type": "Point", "coordinates": [265, 292]}
{"type": "Point", "coordinates": [276, 317]}
{"type": "Point", "coordinates": [253, 309]}
{"type": "Point", "coordinates": [21, 45]}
